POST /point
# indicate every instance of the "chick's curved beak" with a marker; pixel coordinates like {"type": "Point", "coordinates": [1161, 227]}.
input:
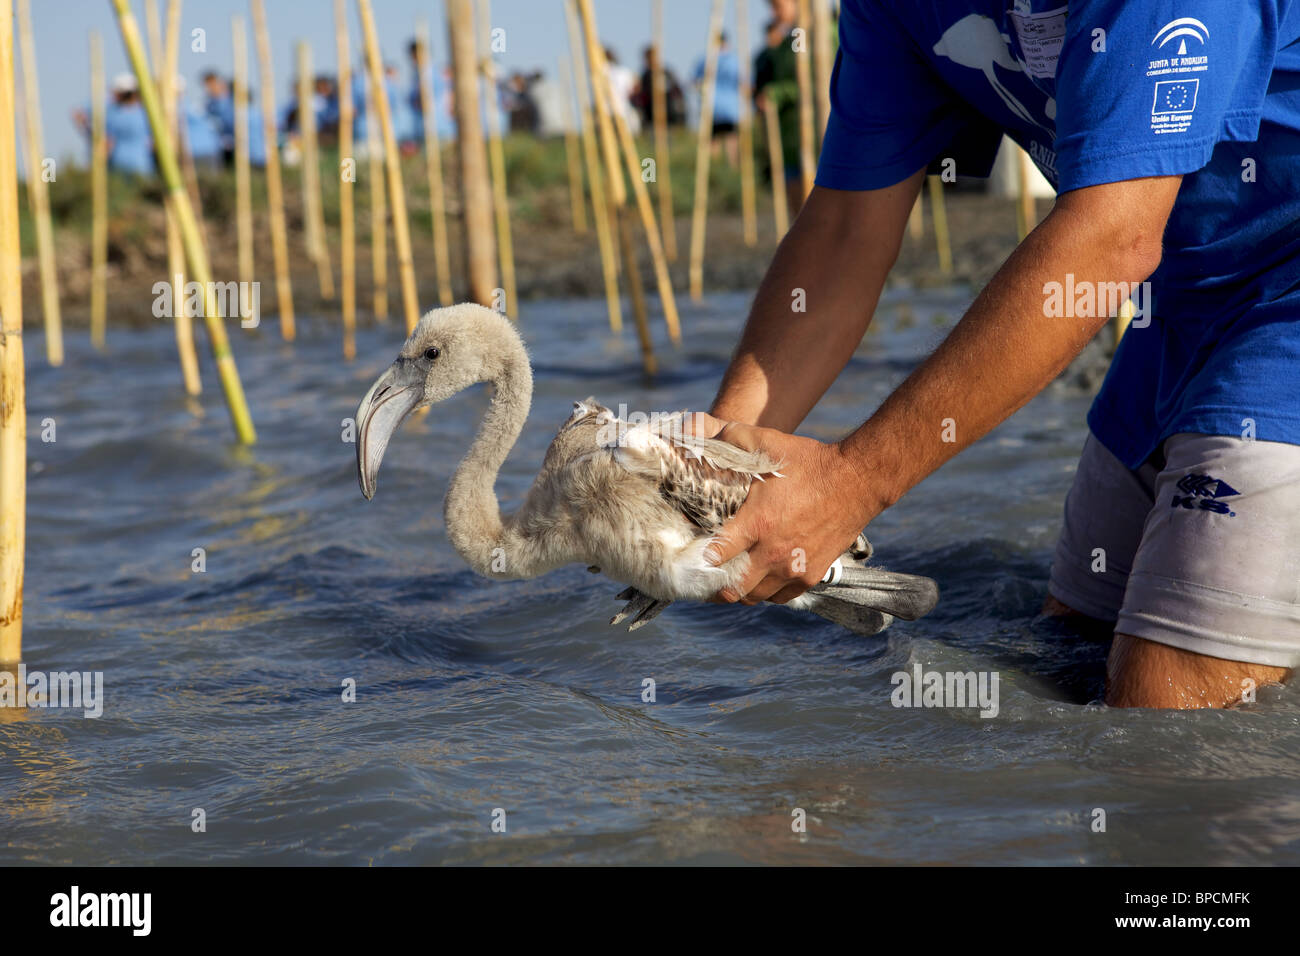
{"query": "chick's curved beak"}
{"type": "Point", "coordinates": [394, 396]}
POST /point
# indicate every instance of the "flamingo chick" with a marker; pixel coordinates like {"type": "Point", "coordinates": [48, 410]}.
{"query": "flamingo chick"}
{"type": "Point", "coordinates": [638, 502]}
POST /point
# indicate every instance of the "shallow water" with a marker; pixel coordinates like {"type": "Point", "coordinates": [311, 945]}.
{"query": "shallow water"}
{"type": "Point", "coordinates": [223, 688]}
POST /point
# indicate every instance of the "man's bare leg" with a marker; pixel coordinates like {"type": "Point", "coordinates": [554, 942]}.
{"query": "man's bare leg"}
{"type": "Point", "coordinates": [1142, 673]}
{"type": "Point", "coordinates": [1054, 608]}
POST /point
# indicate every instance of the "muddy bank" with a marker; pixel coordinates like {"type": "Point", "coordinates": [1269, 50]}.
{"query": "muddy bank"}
{"type": "Point", "coordinates": [552, 261]}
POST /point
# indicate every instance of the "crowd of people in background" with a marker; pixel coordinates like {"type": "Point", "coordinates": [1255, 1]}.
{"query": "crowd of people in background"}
{"type": "Point", "coordinates": [528, 103]}
{"type": "Point", "coordinates": [130, 141]}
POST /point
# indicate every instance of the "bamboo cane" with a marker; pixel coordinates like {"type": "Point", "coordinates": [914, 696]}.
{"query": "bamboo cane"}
{"type": "Point", "coordinates": [595, 175]}
{"type": "Point", "coordinates": [605, 111]}
{"type": "Point", "coordinates": [572, 157]}
{"type": "Point", "coordinates": [195, 253]}
{"type": "Point", "coordinates": [304, 94]}
{"type": "Point", "coordinates": [601, 95]}
{"type": "Point", "coordinates": [182, 135]}
{"type": "Point", "coordinates": [13, 398]}
{"type": "Point", "coordinates": [823, 59]}
{"type": "Point", "coordinates": [153, 32]}
{"type": "Point", "coordinates": [165, 59]}
{"type": "Point", "coordinates": [497, 160]}
{"type": "Point", "coordinates": [940, 215]}
{"type": "Point", "coordinates": [803, 73]}
{"type": "Point", "coordinates": [317, 240]}
{"type": "Point", "coordinates": [637, 293]}
{"type": "Point", "coordinates": [1026, 211]}
{"type": "Point", "coordinates": [1119, 325]}
{"type": "Point", "coordinates": [663, 152]}
{"type": "Point", "coordinates": [274, 185]}
{"type": "Point", "coordinates": [175, 250]}
{"type": "Point", "coordinates": [646, 208]}
{"type": "Point", "coordinates": [916, 220]}
{"type": "Point", "coordinates": [37, 190]}
{"type": "Point", "coordinates": [748, 191]}
{"type": "Point", "coordinates": [476, 187]}
{"type": "Point", "coordinates": [190, 176]}
{"type": "Point", "coordinates": [393, 167]}
{"type": "Point", "coordinates": [776, 157]}
{"type": "Point", "coordinates": [433, 165]}
{"type": "Point", "coordinates": [98, 193]}
{"type": "Point", "coordinates": [243, 174]}
{"type": "Point", "coordinates": [347, 175]}
{"type": "Point", "coordinates": [616, 190]}
{"type": "Point", "coordinates": [378, 211]}
{"type": "Point", "coordinates": [703, 151]}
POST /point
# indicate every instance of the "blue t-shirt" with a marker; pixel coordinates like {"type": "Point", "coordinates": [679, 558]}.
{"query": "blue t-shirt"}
{"type": "Point", "coordinates": [403, 117]}
{"type": "Point", "coordinates": [726, 89]}
{"type": "Point", "coordinates": [359, 107]}
{"type": "Point", "coordinates": [256, 138]}
{"type": "Point", "coordinates": [444, 121]}
{"type": "Point", "coordinates": [221, 111]}
{"type": "Point", "coordinates": [442, 100]}
{"type": "Point", "coordinates": [202, 135]}
{"type": "Point", "coordinates": [131, 141]}
{"type": "Point", "coordinates": [1113, 90]}
{"type": "Point", "coordinates": [400, 112]}
{"type": "Point", "coordinates": [416, 104]}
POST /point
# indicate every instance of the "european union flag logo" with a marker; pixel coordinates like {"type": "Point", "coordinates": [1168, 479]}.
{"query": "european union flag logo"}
{"type": "Point", "coordinates": [1175, 96]}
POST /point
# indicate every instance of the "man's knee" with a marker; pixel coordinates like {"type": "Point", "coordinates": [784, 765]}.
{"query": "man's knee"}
{"type": "Point", "coordinates": [1141, 673]}
{"type": "Point", "coordinates": [1054, 608]}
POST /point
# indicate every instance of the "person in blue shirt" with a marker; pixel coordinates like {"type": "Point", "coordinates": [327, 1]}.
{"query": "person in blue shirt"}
{"type": "Point", "coordinates": [126, 127]}
{"type": "Point", "coordinates": [219, 104]}
{"type": "Point", "coordinates": [326, 102]}
{"type": "Point", "coordinates": [441, 107]}
{"type": "Point", "coordinates": [287, 122]}
{"type": "Point", "coordinates": [401, 112]}
{"type": "Point", "coordinates": [359, 84]}
{"type": "Point", "coordinates": [726, 100]}
{"type": "Point", "coordinates": [415, 98]}
{"type": "Point", "coordinates": [1172, 133]}
{"type": "Point", "coordinates": [409, 136]}
{"type": "Point", "coordinates": [202, 137]}
{"type": "Point", "coordinates": [256, 134]}
{"type": "Point", "coordinates": [442, 98]}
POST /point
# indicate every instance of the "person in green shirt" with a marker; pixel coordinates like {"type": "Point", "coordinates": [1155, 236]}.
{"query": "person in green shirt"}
{"type": "Point", "coordinates": [776, 80]}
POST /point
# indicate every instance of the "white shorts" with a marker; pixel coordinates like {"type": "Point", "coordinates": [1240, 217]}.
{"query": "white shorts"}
{"type": "Point", "coordinates": [1199, 548]}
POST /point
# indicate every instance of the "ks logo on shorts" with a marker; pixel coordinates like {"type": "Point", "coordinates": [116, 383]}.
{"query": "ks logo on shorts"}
{"type": "Point", "coordinates": [1202, 492]}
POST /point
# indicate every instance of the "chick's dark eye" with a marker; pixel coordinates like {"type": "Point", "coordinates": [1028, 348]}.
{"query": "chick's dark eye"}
{"type": "Point", "coordinates": [431, 353]}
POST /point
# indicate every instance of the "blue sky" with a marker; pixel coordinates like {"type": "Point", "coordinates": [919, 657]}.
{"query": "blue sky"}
{"type": "Point", "coordinates": [535, 36]}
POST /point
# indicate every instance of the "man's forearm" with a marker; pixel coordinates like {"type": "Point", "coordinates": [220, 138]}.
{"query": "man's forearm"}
{"type": "Point", "coordinates": [1004, 350]}
{"type": "Point", "coordinates": [814, 304]}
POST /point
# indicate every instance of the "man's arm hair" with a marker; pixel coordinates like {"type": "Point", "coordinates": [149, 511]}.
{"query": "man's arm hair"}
{"type": "Point", "coordinates": [1005, 349]}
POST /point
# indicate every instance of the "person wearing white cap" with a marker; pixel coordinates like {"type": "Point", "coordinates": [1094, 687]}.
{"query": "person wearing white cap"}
{"type": "Point", "coordinates": [130, 142]}
{"type": "Point", "coordinates": [124, 83]}
{"type": "Point", "coordinates": [126, 128]}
